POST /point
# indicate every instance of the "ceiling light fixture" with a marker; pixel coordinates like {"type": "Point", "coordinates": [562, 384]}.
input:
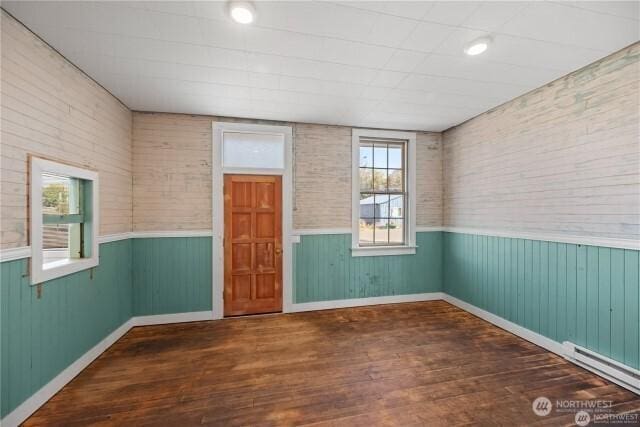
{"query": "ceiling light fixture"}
{"type": "Point", "coordinates": [242, 12]}
{"type": "Point", "coordinates": [477, 46]}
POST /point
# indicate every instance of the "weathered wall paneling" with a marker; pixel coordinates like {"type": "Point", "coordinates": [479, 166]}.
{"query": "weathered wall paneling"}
{"type": "Point", "coordinates": [171, 275]}
{"type": "Point", "coordinates": [588, 295]}
{"type": "Point", "coordinates": [325, 270]}
{"type": "Point", "coordinates": [562, 159]}
{"type": "Point", "coordinates": [51, 109]}
{"type": "Point", "coordinates": [43, 336]}
{"type": "Point", "coordinates": [172, 174]}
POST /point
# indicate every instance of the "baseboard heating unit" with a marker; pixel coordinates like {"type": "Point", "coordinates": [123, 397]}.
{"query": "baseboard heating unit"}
{"type": "Point", "coordinates": [617, 372]}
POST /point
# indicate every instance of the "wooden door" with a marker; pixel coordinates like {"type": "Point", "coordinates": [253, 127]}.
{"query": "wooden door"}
{"type": "Point", "coordinates": [252, 244]}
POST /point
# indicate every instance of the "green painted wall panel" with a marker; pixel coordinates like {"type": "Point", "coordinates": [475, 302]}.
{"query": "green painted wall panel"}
{"type": "Point", "coordinates": [631, 308]}
{"type": "Point", "coordinates": [325, 270]}
{"type": "Point", "coordinates": [42, 336]}
{"type": "Point", "coordinates": [171, 275]}
{"type": "Point", "coordinates": [585, 294]}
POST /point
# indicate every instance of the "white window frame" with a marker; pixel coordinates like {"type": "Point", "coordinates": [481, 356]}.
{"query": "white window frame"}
{"type": "Point", "coordinates": [409, 248]}
{"type": "Point", "coordinates": [38, 273]}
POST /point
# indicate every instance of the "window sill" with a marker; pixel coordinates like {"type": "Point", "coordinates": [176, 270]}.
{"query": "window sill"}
{"type": "Point", "coordinates": [60, 268]}
{"type": "Point", "coordinates": [383, 251]}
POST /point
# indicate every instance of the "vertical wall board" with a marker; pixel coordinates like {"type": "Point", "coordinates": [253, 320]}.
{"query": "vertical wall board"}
{"type": "Point", "coordinates": [604, 301]}
{"type": "Point", "coordinates": [617, 327]}
{"type": "Point", "coordinates": [561, 280]}
{"type": "Point", "coordinates": [521, 284]}
{"type": "Point", "coordinates": [536, 287]}
{"type": "Point", "coordinates": [585, 294]}
{"type": "Point", "coordinates": [581, 296]}
{"type": "Point", "coordinates": [512, 284]}
{"type": "Point", "coordinates": [631, 308]}
{"type": "Point", "coordinates": [572, 293]}
{"type": "Point", "coordinates": [41, 336]}
{"type": "Point", "coordinates": [553, 290]}
{"type": "Point", "coordinates": [172, 275]}
{"type": "Point", "coordinates": [5, 275]}
{"type": "Point", "coordinates": [500, 266]}
{"type": "Point", "coordinates": [325, 269]}
{"type": "Point", "coordinates": [592, 298]}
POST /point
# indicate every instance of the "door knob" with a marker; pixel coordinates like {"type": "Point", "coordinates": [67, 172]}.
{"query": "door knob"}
{"type": "Point", "coordinates": [278, 251]}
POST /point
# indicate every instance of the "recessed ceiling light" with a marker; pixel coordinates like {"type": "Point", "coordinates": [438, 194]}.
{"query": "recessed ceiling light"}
{"type": "Point", "coordinates": [477, 46]}
{"type": "Point", "coordinates": [242, 12]}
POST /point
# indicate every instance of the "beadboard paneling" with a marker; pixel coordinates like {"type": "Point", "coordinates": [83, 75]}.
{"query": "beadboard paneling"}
{"type": "Point", "coordinates": [324, 269]}
{"type": "Point", "coordinates": [588, 295]}
{"type": "Point", "coordinates": [43, 336]}
{"type": "Point", "coordinates": [171, 275]}
{"type": "Point", "coordinates": [51, 109]}
{"type": "Point", "coordinates": [563, 159]}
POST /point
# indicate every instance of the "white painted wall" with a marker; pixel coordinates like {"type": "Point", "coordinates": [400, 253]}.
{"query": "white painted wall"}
{"type": "Point", "coordinates": [51, 109]}
{"type": "Point", "coordinates": [563, 159]}
{"type": "Point", "coordinates": [172, 174]}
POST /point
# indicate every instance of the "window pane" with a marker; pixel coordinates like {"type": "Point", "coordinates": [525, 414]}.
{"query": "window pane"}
{"type": "Point", "coordinates": [366, 231]}
{"type": "Point", "coordinates": [380, 156]}
{"type": "Point", "coordinates": [253, 150]}
{"type": "Point", "coordinates": [380, 179]}
{"type": "Point", "coordinates": [395, 180]}
{"type": "Point", "coordinates": [366, 179]}
{"type": "Point", "coordinates": [396, 231]}
{"type": "Point", "coordinates": [60, 195]}
{"type": "Point", "coordinates": [366, 156]}
{"type": "Point", "coordinates": [396, 204]}
{"type": "Point", "coordinates": [382, 205]}
{"type": "Point", "coordinates": [395, 157]}
{"type": "Point", "coordinates": [55, 243]}
{"type": "Point", "coordinates": [367, 206]}
{"type": "Point", "coordinates": [382, 232]}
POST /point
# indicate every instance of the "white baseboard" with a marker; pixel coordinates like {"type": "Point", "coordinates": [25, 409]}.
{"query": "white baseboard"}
{"type": "Point", "coordinates": [357, 302]}
{"type": "Point", "coordinates": [39, 398]}
{"type": "Point", "coordinates": [522, 332]}
{"type": "Point", "coordinates": [163, 319]}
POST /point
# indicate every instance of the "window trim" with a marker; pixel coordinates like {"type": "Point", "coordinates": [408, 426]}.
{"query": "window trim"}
{"type": "Point", "coordinates": [409, 247]}
{"type": "Point", "coordinates": [64, 267]}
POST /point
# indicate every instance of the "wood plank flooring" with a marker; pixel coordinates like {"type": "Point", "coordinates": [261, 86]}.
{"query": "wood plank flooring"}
{"type": "Point", "coordinates": [426, 363]}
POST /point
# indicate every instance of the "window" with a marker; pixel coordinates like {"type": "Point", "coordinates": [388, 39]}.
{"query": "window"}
{"type": "Point", "coordinates": [253, 150]}
{"type": "Point", "coordinates": [383, 192]}
{"type": "Point", "coordinates": [64, 219]}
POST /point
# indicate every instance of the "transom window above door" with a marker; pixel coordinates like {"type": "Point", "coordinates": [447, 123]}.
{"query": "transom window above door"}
{"type": "Point", "coordinates": [253, 150]}
{"type": "Point", "coordinates": [383, 192]}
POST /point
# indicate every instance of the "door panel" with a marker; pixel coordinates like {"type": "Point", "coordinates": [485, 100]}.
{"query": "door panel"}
{"type": "Point", "coordinates": [253, 244]}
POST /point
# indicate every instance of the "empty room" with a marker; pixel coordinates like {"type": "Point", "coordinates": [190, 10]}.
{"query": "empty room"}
{"type": "Point", "coordinates": [335, 213]}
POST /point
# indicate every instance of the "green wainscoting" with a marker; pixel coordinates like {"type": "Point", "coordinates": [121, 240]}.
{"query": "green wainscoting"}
{"type": "Point", "coordinates": [43, 336]}
{"type": "Point", "coordinates": [171, 275]}
{"type": "Point", "coordinates": [585, 294]}
{"type": "Point", "coordinates": [324, 269]}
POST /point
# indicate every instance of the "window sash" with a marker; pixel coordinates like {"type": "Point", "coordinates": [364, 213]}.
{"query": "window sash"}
{"type": "Point", "coordinates": [82, 220]}
{"type": "Point", "coordinates": [387, 144]}
{"type": "Point", "coordinates": [50, 219]}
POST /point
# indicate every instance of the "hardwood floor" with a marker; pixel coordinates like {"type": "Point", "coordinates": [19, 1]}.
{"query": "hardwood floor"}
{"type": "Point", "coordinates": [404, 364]}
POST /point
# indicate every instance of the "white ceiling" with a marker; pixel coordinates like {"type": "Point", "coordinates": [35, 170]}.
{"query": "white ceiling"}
{"type": "Point", "coordinates": [379, 64]}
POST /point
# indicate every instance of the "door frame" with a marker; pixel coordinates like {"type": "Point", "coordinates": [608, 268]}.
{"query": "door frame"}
{"type": "Point", "coordinates": [217, 209]}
